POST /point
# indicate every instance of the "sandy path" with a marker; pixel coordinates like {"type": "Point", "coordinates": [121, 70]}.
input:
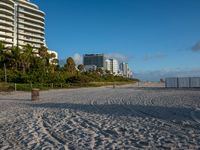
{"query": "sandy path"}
{"type": "Point", "coordinates": [126, 117]}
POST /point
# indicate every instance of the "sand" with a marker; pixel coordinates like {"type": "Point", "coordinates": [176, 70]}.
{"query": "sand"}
{"type": "Point", "coordinates": [127, 117]}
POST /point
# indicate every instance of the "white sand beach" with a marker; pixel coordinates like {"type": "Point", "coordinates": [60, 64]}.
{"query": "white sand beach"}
{"type": "Point", "coordinates": [127, 117]}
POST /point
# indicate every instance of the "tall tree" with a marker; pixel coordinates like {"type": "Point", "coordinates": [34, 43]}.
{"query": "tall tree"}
{"type": "Point", "coordinates": [26, 57]}
{"type": "Point", "coordinates": [2, 54]}
{"type": "Point", "coordinates": [15, 55]}
{"type": "Point", "coordinates": [70, 65]}
{"type": "Point", "coordinates": [43, 53]}
{"type": "Point", "coordinates": [45, 56]}
{"type": "Point", "coordinates": [53, 62]}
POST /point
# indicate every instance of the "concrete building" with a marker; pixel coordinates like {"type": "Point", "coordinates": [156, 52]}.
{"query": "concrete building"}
{"type": "Point", "coordinates": [112, 65]}
{"type": "Point", "coordinates": [94, 60]}
{"type": "Point", "coordinates": [108, 65]}
{"type": "Point", "coordinates": [124, 69]}
{"type": "Point", "coordinates": [56, 56]}
{"type": "Point", "coordinates": [130, 74]}
{"type": "Point", "coordinates": [90, 68]}
{"type": "Point", "coordinates": [21, 23]}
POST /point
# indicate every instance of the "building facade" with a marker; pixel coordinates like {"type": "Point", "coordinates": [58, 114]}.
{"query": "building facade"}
{"type": "Point", "coordinates": [108, 65]}
{"type": "Point", "coordinates": [21, 23]}
{"type": "Point", "coordinates": [115, 66]}
{"type": "Point", "coordinates": [55, 56]}
{"type": "Point", "coordinates": [94, 60]}
{"type": "Point", "coordinates": [112, 65]}
{"type": "Point", "coordinates": [124, 69]}
{"type": "Point", "coordinates": [90, 68]}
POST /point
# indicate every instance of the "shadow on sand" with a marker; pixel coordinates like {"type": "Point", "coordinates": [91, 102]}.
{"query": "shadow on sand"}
{"type": "Point", "coordinates": [158, 88]}
{"type": "Point", "coordinates": [177, 114]}
{"type": "Point", "coordinates": [14, 99]}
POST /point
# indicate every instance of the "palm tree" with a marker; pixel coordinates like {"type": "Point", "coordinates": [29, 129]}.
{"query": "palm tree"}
{"type": "Point", "coordinates": [43, 53]}
{"type": "Point", "coordinates": [45, 56]}
{"type": "Point", "coordinates": [70, 65]}
{"type": "Point", "coordinates": [2, 54]}
{"type": "Point", "coordinates": [5, 55]}
{"type": "Point", "coordinates": [15, 57]}
{"type": "Point", "coordinates": [54, 64]}
{"type": "Point", "coordinates": [3, 59]}
{"type": "Point", "coordinates": [26, 57]}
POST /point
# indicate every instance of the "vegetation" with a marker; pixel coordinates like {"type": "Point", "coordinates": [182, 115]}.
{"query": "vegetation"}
{"type": "Point", "coordinates": [28, 66]}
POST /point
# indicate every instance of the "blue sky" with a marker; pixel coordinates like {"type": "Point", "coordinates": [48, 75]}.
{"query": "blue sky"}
{"type": "Point", "coordinates": [158, 38]}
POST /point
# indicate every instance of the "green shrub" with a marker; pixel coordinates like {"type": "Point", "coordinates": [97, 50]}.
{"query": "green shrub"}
{"type": "Point", "coordinates": [79, 79]}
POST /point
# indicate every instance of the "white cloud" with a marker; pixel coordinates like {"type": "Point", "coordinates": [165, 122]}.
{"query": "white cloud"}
{"type": "Point", "coordinates": [119, 57]}
{"type": "Point", "coordinates": [78, 58]}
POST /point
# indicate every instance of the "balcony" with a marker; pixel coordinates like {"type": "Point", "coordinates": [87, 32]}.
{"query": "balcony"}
{"type": "Point", "coordinates": [31, 24]}
{"type": "Point", "coordinates": [8, 23]}
{"type": "Point", "coordinates": [31, 35]}
{"type": "Point", "coordinates": [31, 30]}
{"type": "Point", "coordinates": [3, 28]}
{"type": "Point", "coordinates": [6, 11]}
{"type": "Point", "coordinates": [31, 19]}
{"type": "Point", "coordinates": [6, 5]}
{"type": "Point", "coordinates": [4, 34]}
{"type": "Point", "coordinates": [29, 4]}
{"type": "Point", "coordinates": [32, 9]}
{"type": "Point", "coordinates": [31, 14]}
{"type": "Point", "coordinates": [22, 43]}
{"type": "Point", "coordinates": [10, 18]}
{"type": "Point", "coordinates": [9, 1]}
{"type": "Point", "coordinates": [5, 40]}
{"type": "Point", "coordinates": [31, 40]}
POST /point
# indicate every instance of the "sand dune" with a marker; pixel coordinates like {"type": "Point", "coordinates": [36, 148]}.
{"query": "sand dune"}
{"type": "Point", "coordinates": [127, 117]}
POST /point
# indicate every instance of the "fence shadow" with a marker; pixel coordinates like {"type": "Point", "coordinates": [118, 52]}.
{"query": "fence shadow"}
{"type": "Point", "coordinates": [116, 110]}
{"type": "Point", "coordinates": [157, 88]}
{"type": "Point", "coordinates": [14, 99]}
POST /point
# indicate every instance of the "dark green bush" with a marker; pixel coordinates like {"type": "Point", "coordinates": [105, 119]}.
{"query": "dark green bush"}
{"type": "Point", "coordinates": [79, 79]}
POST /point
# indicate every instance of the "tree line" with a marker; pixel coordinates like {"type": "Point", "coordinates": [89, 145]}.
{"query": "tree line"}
{"type": "Point", "coordinates": [26, 65]}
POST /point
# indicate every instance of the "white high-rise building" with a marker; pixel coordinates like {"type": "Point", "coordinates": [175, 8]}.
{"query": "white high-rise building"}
{"type": "Point", "coordinates": [124, 68]}
{"type": "Point", "coordinates": [21, 23]}
{"type": "Point", "coordinates": [112, 66]}
{"type": "Point", "coordinates": [115, 66]}
{"type": "Point", "coordinates": [108, 65]}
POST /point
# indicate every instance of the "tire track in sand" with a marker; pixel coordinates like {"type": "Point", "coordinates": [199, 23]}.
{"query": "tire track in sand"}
{"type": "Point", "coordinates": [45, 127]}
{"type": "Point", "coordinates": [193, 115]}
